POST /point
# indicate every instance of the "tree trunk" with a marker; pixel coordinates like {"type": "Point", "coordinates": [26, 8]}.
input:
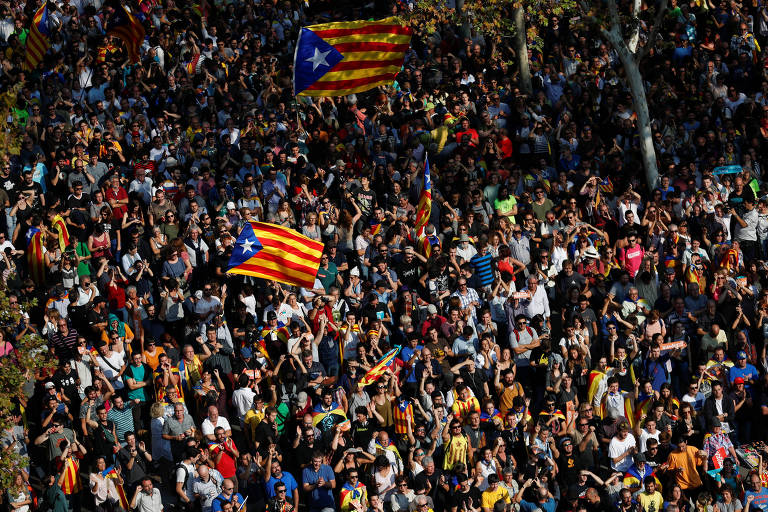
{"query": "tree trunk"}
{"type": "Point", "coordinates": [466, 26]}
{"type": "Point", "coordinates": [648, 152]}
{"type": "Point", "coordinates": [521, 48]}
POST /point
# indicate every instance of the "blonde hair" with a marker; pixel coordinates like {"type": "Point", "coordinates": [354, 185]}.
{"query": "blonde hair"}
{"type": "Point", "coordinates": [157, 410]}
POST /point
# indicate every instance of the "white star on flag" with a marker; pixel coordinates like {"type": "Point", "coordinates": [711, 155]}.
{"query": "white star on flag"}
{"type": "Point", "coordinates": [318, 59]}
{"type": "Point", "coordinates": [246, 245]}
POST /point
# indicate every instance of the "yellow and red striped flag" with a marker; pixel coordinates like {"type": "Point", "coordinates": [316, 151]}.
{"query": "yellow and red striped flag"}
{"type": "Point", "coordinates": [425, 202]}
{"type": "Point", "coordinates": [71, 483]}
{"type": "Point", "coordinates": [35, 255]}
{"type": "Point", "coordinates": [336, 59]}
{"type": "Point", "coordinates": [61, 228]}
{"type": "Point", "coordinates": [380, 367]}
{"type": "Point", "coordinates": [273, 252]}
{"type": "Point", "coordinates": [38, 39]}
{"type": "Point", "coordinates": [124, 25]}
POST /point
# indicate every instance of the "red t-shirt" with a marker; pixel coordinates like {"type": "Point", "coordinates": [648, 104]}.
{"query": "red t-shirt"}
{"type": "Point", "coordinates": [226, 465]}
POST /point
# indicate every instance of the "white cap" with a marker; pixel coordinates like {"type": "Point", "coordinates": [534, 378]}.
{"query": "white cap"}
{"type": "Point", "coordinates": [231, 206]}
{"type": "Point", "coordinates": [355, 272]}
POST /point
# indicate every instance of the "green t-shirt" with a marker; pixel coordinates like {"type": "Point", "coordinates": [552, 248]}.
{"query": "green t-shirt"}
{"type": "Point", "coordinates": [505, 205]}
{"type": "Point", "coordinates": [327, 276]}
{"type": "Point", "coordinates": [138, 375]}
{"type": "Point", "coordinates": [83, 268]}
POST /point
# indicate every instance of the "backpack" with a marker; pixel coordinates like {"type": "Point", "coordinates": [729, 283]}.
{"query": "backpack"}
{"type": "Point", "coordinates": [173, 476]}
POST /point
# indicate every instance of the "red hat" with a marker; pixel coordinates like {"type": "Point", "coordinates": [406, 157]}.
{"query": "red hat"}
{"type": "Point", "coordinates": [738, 380]}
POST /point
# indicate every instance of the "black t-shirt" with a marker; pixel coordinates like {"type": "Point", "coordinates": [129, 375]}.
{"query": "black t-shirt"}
{"type": "Point", "coordinates": [469, 500]}
{"type": "Point", "coordinates": [366, 200]}
{"type": "Point", "coordinates": [568, 467]}
{"type": "Point", "coordinates": [409, 273]}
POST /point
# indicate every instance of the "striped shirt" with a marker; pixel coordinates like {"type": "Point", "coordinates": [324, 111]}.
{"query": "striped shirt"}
{"type": "Point", "coordinates": [483, 268]}
{"type": "Point", "coordinates": [123, 420]}
{"type": "Point", "coordinates": [64, 345]}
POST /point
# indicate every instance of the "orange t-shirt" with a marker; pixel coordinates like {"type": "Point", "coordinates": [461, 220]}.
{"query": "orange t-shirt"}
{"type": "Point", "coordinates": [689, 478]}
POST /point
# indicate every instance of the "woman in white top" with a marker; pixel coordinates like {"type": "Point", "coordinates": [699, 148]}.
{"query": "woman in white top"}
{"type": "Point", "coordinates": [384, 476]}
{"type": "Point", "coordinates": [104, 492]}
{"type": "Point", "coordinates": [18, 494]}
{"type": "Point", "coordinates": [485, 466]}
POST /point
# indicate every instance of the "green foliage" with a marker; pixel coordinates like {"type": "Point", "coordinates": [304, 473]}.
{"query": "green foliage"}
{"type": "Point", "coordinates": [492, 18]}
{"type": "Point", "coordinates": [30, 360]}
{"type": "Point", "coordinates": [11, 133]}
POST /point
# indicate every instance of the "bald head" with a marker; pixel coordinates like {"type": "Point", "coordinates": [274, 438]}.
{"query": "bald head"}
{"type": "Point", "coordinates": [203, 472]}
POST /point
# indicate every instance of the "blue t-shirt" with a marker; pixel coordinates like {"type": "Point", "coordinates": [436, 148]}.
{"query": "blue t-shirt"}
{"type": "Point", "coordinates": [760, 501]}
{"type": "Point", "coordinates": [405, 355]}
{"type": "Point", "coordinates": [530, 506]}
{"type": "Point", "coordinates": [746, 373]}
{"type": "Point", "coordinates": [289, 482]}
{"type": "Point", "coordinates": [218, 500]}
{"type": "Point", "coordinates": [321, 497]}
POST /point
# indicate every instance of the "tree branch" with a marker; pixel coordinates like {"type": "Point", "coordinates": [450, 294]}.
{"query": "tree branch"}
{"type": "Point", "coordinates": [657, 22]}
{"type": "Point", "coordinates": [613, 15]}
{"type": "Point", "coordinates": [634, 37]}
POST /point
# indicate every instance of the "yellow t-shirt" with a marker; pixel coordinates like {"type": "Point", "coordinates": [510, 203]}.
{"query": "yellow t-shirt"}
{"type": "Point", "coordinates": [490, 498]}
{"type": "Point", "coordinates": [650, 502]}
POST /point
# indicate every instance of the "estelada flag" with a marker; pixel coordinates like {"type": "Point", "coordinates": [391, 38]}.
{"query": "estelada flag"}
{"type": "Point", "coordinates": [336, 59]}
{"type": "Point", "coordinates": [61, 228]}
{"type": "Point", "coordinates": [35, 255]}
{"type": "Point", "coordinates": [38, 39]}
{"type": "Point", "coordinates": [127, 27]}
{"type": "Point", "coordinates": [425, 201]}
{"type": "Point", "coordinates": [380, 367]}
{"type": "Point", "coordinates": [273, 252]}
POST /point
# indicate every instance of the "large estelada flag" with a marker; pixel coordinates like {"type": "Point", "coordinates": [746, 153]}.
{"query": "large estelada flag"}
{"type": "Point", "coordinates": [335, 59]}
{"type": "Point", "coordinates": [273, 252]}
{"type": "Point", "coordinates": [127, 27]}
{"type": "Point", "coordinates": [38, 39]}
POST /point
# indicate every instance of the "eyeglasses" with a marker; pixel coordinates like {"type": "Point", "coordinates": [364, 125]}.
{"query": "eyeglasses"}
{"type": "Point", "coordinates": [228, 488]}
{"type": "Point", "coordinates": [280, 491]}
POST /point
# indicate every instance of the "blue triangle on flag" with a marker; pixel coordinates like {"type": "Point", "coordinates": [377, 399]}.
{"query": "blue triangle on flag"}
{"type": "Point", "coordinates": [314, 58]}
{"type": "Point", "coordinates": [246, 247]}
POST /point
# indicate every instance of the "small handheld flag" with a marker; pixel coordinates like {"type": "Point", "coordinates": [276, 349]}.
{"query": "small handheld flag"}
{"type": "Point", "coordinates": [380, 367]}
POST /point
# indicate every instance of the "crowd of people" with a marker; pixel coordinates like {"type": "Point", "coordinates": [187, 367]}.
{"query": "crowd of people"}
{"type": "Point", "coordinates": [570, 339]}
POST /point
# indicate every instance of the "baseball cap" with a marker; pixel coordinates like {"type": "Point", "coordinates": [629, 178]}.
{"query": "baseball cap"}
{"type": "Point", "coordinates": [246, 352]}
{"type": "Point", "coordinates": [432, 309]}
{"type": "Point", "coordinates": [50, 385]}
{"type": "Point", "coordinates": [741, 355]}
{"type": "Point", "coordinates": [231, 206]}
{"type": "Point", "coordinates": [738, 380]}
{"type": "Point", "coordinates": [271, 315]}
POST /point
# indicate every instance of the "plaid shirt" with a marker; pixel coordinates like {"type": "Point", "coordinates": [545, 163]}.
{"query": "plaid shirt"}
{"type": "Point", "coordinates": [716, 441]}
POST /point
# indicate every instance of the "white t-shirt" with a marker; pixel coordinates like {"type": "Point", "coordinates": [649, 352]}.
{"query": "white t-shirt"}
{"type": "Point", "coordinates": [645, 436]}
{"type": "Point", "coordinates": [616, 448]}
{"type": "Point", "coordinates": [189, 476]}
{"type": "Point", "coordinates": [116, 360]}
{"type": "Point", "coordinates": [209, 427]}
